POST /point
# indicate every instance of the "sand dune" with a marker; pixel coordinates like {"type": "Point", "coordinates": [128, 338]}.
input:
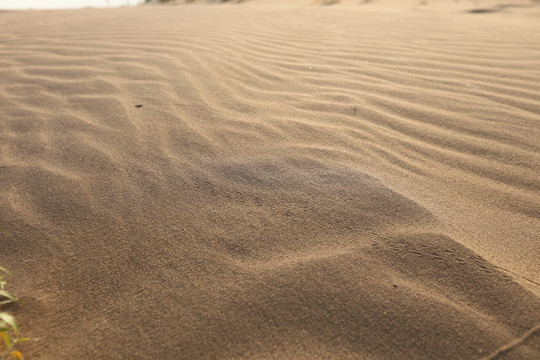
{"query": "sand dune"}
{"type": "Point", "coordinates": [273, 180]}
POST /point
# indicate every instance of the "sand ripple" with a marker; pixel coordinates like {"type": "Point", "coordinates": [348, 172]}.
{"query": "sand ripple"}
{"type": "Point", "coordinates": [273, 181]}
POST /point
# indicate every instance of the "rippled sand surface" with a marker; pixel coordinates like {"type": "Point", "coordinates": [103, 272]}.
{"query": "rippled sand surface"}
{"type": "Point", "coordinates": [273, 180]}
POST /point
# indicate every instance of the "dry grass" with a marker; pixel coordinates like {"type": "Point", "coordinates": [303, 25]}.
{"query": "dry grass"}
{"type": "Point", "coordinates": [9, 330]}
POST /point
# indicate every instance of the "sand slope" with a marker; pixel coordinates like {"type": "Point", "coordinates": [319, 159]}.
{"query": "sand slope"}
{"type": "Point", "coordinates": [358, 181]}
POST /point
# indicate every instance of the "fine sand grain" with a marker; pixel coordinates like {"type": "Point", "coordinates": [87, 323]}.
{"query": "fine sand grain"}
{"type": "Point", "coordinates": [273, 180]}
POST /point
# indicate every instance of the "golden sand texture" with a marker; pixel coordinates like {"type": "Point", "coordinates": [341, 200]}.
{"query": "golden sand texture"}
{"type": "Point", "coordinates": [273, 180]}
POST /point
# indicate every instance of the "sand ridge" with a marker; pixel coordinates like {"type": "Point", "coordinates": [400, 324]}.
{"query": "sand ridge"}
{"type": "Point", "coordinates": [273, 180]}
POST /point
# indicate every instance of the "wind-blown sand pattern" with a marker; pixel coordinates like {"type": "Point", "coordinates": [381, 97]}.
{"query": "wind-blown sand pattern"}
{"type": "Point", "coordinates": [358, 181]}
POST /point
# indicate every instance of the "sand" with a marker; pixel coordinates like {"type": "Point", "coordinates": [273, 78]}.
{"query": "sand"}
{"type": "Point", "coordinates": [273, 180]}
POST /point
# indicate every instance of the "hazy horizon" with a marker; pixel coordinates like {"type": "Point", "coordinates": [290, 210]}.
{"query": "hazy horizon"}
{"type": "Point", "coordinates": [63, 4]}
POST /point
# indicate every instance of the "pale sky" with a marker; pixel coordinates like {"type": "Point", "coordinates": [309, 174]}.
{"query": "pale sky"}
{"type": "Point", "coordinates": [62, 4]}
